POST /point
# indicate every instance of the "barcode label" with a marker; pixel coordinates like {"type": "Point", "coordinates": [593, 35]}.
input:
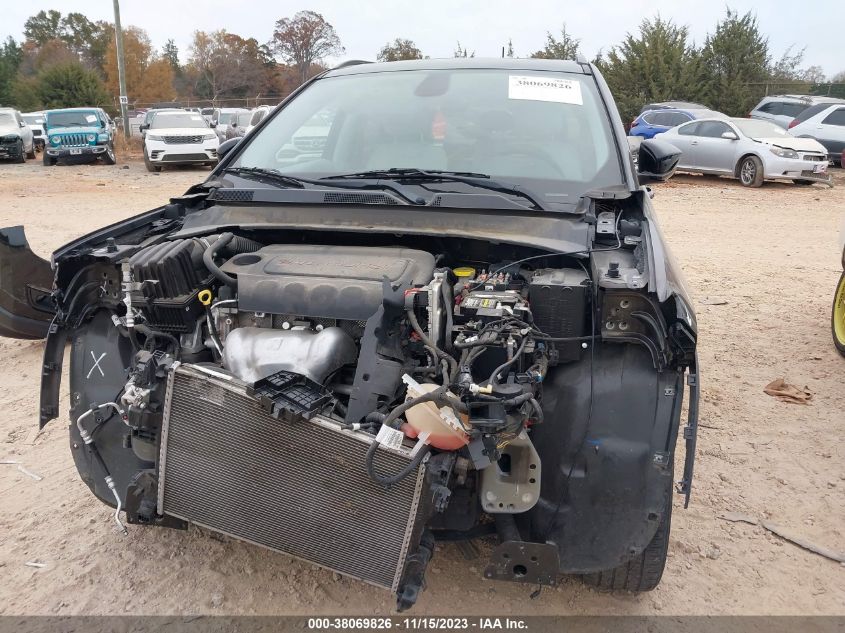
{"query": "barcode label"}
{"type": "Point", "coordinates": [390, 437]}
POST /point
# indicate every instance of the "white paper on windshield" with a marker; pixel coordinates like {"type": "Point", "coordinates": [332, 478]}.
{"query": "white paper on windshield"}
{"type": "Point", "coordinates": [545, 89]}
{"type": "Point", "coordinates": [90, 118]}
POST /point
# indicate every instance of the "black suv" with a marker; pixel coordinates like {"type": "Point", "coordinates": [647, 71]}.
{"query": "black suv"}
{"type": "Point", "coordinates": [421, 300]}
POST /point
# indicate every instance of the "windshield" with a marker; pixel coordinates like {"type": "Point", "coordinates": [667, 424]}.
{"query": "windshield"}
{"type": "Point", "coordinates": [73, 119]}
{"type": "Point", "coordinates": [225, 117]}
{"type": "Point", "coordinates": [755, 128]}
{"type": "Point", "coordinates": [165, 120]}
{"type": "Point", "coordinates": [547, 131]}
{"type": "Point", "coordinates": [33, 120]}
{"type": "Point", "coordinates": [6, 119]}
{"type": "Point", "coordinates": [243, 119]}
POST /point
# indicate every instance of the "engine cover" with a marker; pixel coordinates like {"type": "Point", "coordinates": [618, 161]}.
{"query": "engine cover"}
{"type": "Point", "coordinates": [340, 282]}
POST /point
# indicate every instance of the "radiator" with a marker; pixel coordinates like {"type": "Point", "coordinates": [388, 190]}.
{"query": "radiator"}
{"type": "Point", "coordinates": [299, 488]}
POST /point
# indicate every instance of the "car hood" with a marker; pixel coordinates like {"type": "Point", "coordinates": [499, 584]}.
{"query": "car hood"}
{"type": "Point", "coordinates": [181, 131]}
{"type": "Point", "coordinates": [75, 129]}
{"type": "Point", "coordinates": [798, 144]}
{"type": "Point", "coordinates": [9, 128]}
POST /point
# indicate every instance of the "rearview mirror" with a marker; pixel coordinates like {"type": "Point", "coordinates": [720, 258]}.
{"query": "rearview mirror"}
{"type": "Point", "coordinates": [227, 146]}
{"type": "Point", "coordinates": [731, 136]}
{"type": "Point", "coordinates": [657, 160]}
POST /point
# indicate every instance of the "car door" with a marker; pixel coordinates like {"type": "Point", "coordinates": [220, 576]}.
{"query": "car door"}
{"type": "Point", "coordinates": [831, 130]}
{"type": "Point", "coordinates": [685, 139]}
{"type": "Point", "coordinates": [712, 152]}
{"type": "Point", "coordinates": [25, 132]}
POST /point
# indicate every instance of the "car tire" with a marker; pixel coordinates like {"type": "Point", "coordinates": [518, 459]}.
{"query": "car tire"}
{"type": "Point", "coordinates": [837, 316]}
{"type": "Point", "coordinates": [108, 156]}
{"type": "Point", "coordinates": [750, 171]}
{"type": "Point", "coordinates": [150, 167]}
{"type": "Point", "coordinates": [21, 157]}
{"type": "Point", "coordinates": [31, 153]}
{"type": "Point", "coordinates": [803, 183]}
{"type": "Point", "coordinates": [642, 573]}
{"type": "Point", "coordinates": [48, 160]}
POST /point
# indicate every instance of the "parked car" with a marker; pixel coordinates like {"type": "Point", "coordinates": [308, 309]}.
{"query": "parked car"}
{"type": "Point", "coordinates": [148, 117]}
{"type": "Point", "coordinates": [78, 133]}
{"type": "Point", "coordinates": [16, 139]}
{"type": "Point", "coordinates": [673, 105]}
{"type": "Point", "coordinates": [221, 118]}
{"type": "Point", "coordinates": [653, 122]}
{"type": "Point", "coordinates": [238, 124]}
{"type": "Point", "coordinates": [461, 314]}
{"type": "Point", "coordinates": [35, 121]}
{"type": "Point", "coordinates": [258, 115]}
{"type": "Point", "coordinates": [749, 149]}
{"type": "Point", "coordinates": [783, 109]}
{"type": "Point", "coordinates": [824, 122]}
{"type": "Point", "coordinates": [179, 138]}
{"type": "Point", "coordinates": [208, 114]}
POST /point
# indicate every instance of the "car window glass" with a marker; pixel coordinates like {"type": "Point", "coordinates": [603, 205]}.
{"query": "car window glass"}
{"type": "Point", "coordinates": [772, 107]}
{"type": "Point", "coordinates": [837, 117]}
{"type": "Point", "coordinates": [712, 129]}
{"type": "Point", "coordinates": [656, 118]}
{"type": "Point", "coordinates": [480, 120]}
{"type": "Point", "coordinates": [811, 111]}
{"type": "Point", "coordinates": [690, 129]}
{"type": "Point", "coordinates": [256, 117]}
{"type": "Point", "coordinates": [793, 109]}
{"type": "Point", "coordinates": [676, 118]}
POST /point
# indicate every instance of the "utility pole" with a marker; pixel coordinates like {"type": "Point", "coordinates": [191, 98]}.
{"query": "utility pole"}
{"type": "Point", "coordinates": [121, 71]}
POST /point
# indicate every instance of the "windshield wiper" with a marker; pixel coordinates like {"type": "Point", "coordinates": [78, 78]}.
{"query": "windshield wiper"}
{"type": "Point", "coordinates": [482, 181]}
{"type": "Point", "coordinates": [266, 175]}
{"type": "Point", "coordinates": [276, 177]}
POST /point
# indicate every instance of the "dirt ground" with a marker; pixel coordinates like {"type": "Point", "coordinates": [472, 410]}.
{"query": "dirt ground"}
{"type": "Point", "coordinates": [761, 264]}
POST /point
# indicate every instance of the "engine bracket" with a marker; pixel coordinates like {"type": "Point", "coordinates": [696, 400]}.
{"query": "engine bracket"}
{"type": "Point", "coordinates": [523, 561]}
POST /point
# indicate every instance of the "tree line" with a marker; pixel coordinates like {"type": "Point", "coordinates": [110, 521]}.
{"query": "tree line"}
{"type": "Point", "coordinates": [68, 60]}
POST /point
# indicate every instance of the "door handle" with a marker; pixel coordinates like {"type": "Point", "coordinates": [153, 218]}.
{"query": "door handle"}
{"type": "Point", "coordinates": [693, 142]}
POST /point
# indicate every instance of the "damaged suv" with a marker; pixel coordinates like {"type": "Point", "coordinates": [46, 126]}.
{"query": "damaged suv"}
{"type": "Point", "coordinates": [421, 300]}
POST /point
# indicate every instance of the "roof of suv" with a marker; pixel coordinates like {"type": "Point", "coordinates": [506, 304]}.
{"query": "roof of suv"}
{"type": "Point", "coordinates": [507, 63]}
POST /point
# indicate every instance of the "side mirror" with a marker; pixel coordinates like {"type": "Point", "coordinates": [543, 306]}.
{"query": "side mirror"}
{"type": "Point", "coordinates": [657, 160]}
{"type": "Point", "coordinates": [227, 146]}
{"type": "Point", "coordinates": [144, 127]}
{"type": "Point", "coordinates": [213, 124]}
{"type": "Point", "coordinates": [22, 123]}
{"type": "Point", "coordinates": [731, 136]}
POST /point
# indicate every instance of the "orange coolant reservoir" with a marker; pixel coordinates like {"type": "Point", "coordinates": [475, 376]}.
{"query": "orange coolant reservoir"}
{"type": "Point", "coordinates": [433, 425]}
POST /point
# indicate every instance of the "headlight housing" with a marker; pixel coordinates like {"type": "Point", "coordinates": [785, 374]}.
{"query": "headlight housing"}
{"type": "Point", "coordinates": [55, 140]}
{"type": "Point", "coordinates": [102, 138]}
{"type": "Point", "coordinates": [10, 138]}
{"type": "Point", "coordinates": [209, 137]}
{"type": "Point", "coordinates": [783, 152]}
{"type": "Point", "coordinates": [154, 137]}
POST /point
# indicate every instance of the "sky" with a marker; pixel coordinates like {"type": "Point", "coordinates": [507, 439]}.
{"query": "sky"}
{"type": "Point", "coordinates": [481, 26]}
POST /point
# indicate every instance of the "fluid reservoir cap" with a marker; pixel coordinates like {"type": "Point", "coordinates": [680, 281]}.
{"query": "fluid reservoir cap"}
{"type": "Point", "coordinates": [465, 272]}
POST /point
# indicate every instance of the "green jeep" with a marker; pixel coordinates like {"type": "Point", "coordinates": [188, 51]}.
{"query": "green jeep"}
{"type": "Point", "coordinates": [79, 132]}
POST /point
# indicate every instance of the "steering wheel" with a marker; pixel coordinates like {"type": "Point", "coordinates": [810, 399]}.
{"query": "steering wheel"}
{"type": "Point", "coordinates": [518, 148]}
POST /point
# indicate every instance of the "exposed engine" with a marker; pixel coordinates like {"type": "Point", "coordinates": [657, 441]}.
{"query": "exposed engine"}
{"type": "Point", "coordinates": [439, 366]}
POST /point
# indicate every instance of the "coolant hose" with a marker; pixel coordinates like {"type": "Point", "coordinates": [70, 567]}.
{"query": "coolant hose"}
{"type": "Point", "coordinates": [391, 480]}
{"type": "Point", "coordinates": [214, 269]}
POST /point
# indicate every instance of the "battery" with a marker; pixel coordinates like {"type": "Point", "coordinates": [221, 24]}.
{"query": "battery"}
{"type": "Point", "coordinates": [491, 304]}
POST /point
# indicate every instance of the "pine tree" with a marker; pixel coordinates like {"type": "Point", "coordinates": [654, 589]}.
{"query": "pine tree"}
{"type": "Point", "coordinates": [736, 58]}
{"type": "Point", "coordinates": [657, 64]}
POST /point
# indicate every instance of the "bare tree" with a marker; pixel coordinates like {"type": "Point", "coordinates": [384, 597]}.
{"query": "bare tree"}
{"type": "Point", "coordinates": [224, 63]}
{"type": "Point", "coordinates": [305, 39]}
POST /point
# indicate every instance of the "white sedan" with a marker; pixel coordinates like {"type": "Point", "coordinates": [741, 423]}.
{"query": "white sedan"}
{"type": "Point", "coordinates": [179, 138]}
{"type": "Point", "coordinates": [748, 149]}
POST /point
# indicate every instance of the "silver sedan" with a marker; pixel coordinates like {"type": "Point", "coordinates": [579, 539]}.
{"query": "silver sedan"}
{"type": "Point", "coordinates": [748, 149]}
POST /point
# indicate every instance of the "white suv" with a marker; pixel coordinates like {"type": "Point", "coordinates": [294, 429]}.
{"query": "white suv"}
{"type": "Point", "coordinates": [824, 122]}
{"type": "Point", "coordinates": [179, 138]}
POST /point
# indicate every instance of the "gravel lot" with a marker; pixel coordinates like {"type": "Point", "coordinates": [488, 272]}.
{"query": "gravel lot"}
{"type": "Point", "coordinates": [770, 253]}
